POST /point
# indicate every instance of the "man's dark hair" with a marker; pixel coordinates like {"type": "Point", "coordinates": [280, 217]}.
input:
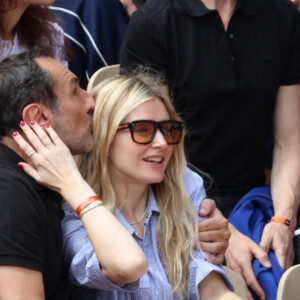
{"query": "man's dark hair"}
{"type": "Point", "coordinates": [23, 81]}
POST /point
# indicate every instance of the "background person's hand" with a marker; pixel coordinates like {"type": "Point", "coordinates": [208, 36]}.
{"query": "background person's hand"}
{"type": "Point", "coordinates": [279, 238]}
{"type": "Point", "coordinates": [213, 232]}
{"type": "Point", "coordinates": [239, 256]}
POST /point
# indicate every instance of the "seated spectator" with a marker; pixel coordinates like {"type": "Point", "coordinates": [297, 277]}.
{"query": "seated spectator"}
{"type": "Point", "coordinates": [23, 24]}
{"type": "Point", "coordinates": [39, 90]}
{"type": "Point", "coordinates": [138, 167]}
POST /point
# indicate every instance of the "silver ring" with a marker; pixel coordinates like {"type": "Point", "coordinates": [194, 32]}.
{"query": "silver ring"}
{"type": "Point", "coordinates": [31, 154]}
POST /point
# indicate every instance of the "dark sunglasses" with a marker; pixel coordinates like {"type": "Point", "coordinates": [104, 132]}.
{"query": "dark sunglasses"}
{"type": "Point", "coordinates": [143, 131]}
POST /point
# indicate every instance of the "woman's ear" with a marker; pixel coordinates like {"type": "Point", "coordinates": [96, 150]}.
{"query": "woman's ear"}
{"type": "Point", "coordinates": [36, 112]}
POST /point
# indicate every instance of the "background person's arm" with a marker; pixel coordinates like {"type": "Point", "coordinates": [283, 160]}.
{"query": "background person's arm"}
{"type": "Point", "coordinates": [20, 283]}
{"type": "Point", "coordinates": [285, 177]}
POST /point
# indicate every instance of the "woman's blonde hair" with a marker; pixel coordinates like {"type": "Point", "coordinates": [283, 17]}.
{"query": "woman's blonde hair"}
{"type": "Point", "coordinates": [176, 232]}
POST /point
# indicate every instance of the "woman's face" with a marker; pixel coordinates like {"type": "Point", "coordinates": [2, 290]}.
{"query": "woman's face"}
{"type": "Point", "coordinates": [142, 163]}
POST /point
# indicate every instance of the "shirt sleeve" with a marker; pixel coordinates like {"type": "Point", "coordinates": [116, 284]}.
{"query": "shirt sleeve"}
{"type": "Point", "coordinates": [143, 44]}
{"type": "Point", "coordinates": [80, 256]}
{"type": "Point", "coordinates": [22, 224]}
{"type": "Point", "coordinates": [195, 189]}
{"type": "Point", "coordinates": [200, 268]}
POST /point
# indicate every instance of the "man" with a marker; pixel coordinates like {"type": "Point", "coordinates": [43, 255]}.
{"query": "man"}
{"type": "Point", "coordinates": [35, 88]}
{"type": "Point", "coordinates": [234, 67]}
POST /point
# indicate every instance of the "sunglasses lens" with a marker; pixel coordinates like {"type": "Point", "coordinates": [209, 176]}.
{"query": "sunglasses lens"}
{"type": "Point", "coordinates": [143, 132]}
{"type": "Point", "coordinates": [172, 131]}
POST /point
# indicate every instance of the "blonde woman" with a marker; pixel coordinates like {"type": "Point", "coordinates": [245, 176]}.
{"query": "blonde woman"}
{"type": "Point", "coordinates": [138, 168]}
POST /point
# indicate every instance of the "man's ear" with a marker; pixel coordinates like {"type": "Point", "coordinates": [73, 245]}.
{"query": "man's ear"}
{"type": "Point", "coordinates": [37, 112]}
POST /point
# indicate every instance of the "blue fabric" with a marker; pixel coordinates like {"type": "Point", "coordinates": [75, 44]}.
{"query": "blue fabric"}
{"type": "Point", "coordinates": [96, 29]}
{"type": "Point", "coordinates": [250, 216]}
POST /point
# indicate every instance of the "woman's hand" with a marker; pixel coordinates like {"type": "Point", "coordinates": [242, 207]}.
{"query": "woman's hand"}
{"type": "Point", "coordinates": [50, 161]}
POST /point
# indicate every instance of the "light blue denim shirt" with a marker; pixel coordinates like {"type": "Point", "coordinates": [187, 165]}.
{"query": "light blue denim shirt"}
{"type": "Point", "coordinates": [86, 271]}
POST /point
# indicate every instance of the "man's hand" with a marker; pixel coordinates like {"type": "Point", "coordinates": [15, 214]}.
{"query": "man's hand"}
{"type": "Point", "coordinates": [279, 238]}
{"type": "Point", "coordinates": [239, 256]}
{"type": "Point", "coordinates": [213, 232]}
{"type": "Point", "coordinates": [129, 7]}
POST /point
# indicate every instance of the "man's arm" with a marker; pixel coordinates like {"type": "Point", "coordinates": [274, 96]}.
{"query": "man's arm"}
{"type": "Point", "coordinates": [20, 283]}
{"type": "Point", "coordinates": [285, 178]}
{"type": "Point", "coordinates": [213, 232]}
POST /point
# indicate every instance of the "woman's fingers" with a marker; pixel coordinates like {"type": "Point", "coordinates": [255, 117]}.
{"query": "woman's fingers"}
{"type": "Point", "coordinates": [24, 146]}
{"type": "Point", "coordinates": [54, 136]}
{"type": "Point", "coordinates": [28, 169]}
{"type": "Point", "coordinates": [36, 136]}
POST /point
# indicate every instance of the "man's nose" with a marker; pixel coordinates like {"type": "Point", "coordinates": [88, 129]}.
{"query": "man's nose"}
{"type": "Point", "coordinates": [90, 102]}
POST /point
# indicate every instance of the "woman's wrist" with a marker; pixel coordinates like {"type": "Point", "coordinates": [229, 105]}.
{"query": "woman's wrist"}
{"type": "Point", "coordinates": [75, 190]}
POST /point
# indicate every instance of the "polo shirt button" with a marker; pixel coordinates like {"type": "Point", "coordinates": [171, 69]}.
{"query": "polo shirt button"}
{"type": "Point", "coordinates": [151, 268]}
{"type": "Point", "coordinates": [231, 35]}
{"type": "Point", "coordinates": [232, 58]}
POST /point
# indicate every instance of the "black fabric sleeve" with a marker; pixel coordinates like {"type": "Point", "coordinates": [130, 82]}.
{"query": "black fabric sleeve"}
{"type": "Point", "coordinates": [22, 223]}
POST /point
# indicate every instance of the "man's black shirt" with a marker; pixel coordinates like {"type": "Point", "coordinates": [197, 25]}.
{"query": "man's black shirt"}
{"type": "Point", "coordinates": [224, 83]}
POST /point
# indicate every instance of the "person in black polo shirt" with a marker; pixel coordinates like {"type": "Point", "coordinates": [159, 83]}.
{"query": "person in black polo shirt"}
{"type": "Point", "coordinates": [233, 66]}
{"type": "Point", "coordinates": [36, 89]}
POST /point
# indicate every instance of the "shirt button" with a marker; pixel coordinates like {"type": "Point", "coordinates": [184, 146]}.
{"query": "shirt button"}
{"type": "Point", "coordinates": [231, 35]}
{"type": "Point", "coordinates": [147, 217]}
{"type": "Point", "coordinates": [232, 58]}
{"type": "Point", "coordinates": [151, 268]}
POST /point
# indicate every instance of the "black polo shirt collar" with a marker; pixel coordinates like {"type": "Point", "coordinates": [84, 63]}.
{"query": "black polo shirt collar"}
{"type": "Point", "coordinates": [196, 8]}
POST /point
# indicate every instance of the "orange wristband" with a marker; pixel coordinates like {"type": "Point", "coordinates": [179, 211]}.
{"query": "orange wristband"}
{"type": "Point", "coordinates": [285, 221]}
{"type": "Point", "coordinates": [85, 203]}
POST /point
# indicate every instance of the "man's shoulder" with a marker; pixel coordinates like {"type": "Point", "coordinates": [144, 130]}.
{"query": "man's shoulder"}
{"type": "Point", "coordinates": [17, 189]}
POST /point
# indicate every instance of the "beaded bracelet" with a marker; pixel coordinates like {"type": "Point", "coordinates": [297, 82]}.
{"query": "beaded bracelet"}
{"type": "Point", "coordinates": [86, 202]}
{"type": "Point", "coordinates": [285, 221]}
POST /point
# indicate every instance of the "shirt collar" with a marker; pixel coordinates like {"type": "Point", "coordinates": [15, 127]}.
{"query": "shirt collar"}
{"type": "Point", "coordinates": [151, 207]}
{"type": "Point", "coordinates": [196, 8]}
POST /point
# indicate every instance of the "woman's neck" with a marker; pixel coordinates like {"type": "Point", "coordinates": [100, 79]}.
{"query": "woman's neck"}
{"type": "Point", "coordinates": [10, 19]}
{"type": "Point", "coordinates": [132, 200]}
